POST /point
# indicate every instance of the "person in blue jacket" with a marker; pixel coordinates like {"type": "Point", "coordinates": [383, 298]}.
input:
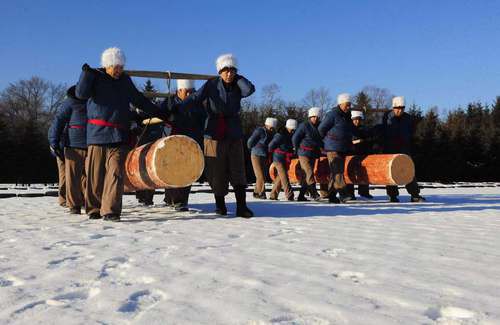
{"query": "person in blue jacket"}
{"type": "Point", "coordinates": [307, 144]}
{"type": "Point", "coordinates": [109, 92]}
{"type": "Point", "coordinates": [281, 147]}
{"type": "Point", "coordinates": [189, 122]}
{"type": "Point", "coordinates": [223, 143]}
{"type": "Point", "coordinates": [336, 130]}
{"type": "Point", "coordinates": [72, 118]}
{"type": "Point", "coordinates": [257, 144]}
{"type": "Point", "coordinates": [397, 132]}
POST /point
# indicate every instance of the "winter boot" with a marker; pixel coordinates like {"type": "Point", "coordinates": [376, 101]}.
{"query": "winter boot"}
{"type": "Point", "coordinates": [301, 197]}
{"type": "Point", "coordinates": [112, 217]}
{"type": "Point", "coordinates": [220, 205]}
{"type": "Point", "coordinates": [313, 193]}
{"type": "Point", "coordinates": [417, 199]}
{"type": "Point", "coordinates": [94, 216]}
{"type": "Point", "coordinates": [332, 198]}
{"type": "Point", "coordinates": [241, 202]}
{"type": "Point", "coordinates": [393, 199]}
{"type": "Point", "coordinates": [75, 210]}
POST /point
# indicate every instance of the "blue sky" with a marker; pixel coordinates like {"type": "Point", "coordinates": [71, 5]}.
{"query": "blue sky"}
{"type": "Point", "coordinates": [443, 53]}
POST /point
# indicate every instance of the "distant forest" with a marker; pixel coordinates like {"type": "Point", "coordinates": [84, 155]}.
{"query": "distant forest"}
{"type": "Point", "coordinates": [462, 144]}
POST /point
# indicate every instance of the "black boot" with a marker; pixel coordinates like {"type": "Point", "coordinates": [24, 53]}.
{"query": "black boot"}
{"type": "Point", "coordinates": [302, 193]}
{"type": "Point", "coordinates": [220, 205]}
{"type": "Point", "coordinates": [313, 192]}
{"type": "Point", "coordinates": [112, 217]}
{"type": "Point", "coordinates": [241, 202]}
{"type": "Point", "coordinates": [94, 216]}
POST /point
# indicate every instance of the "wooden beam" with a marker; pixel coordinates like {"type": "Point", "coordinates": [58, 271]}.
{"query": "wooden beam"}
{"type": "Point", "coordinates": [168, 75]}
{"type": "Point", "coordinates": [150, 94]}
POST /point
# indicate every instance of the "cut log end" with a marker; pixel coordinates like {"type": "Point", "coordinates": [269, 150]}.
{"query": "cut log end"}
{"type": "Point", "coordinates": [402, 169]}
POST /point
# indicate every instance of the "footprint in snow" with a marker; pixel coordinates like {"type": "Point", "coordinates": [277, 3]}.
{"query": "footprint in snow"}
{"type": "Point", "coordinates": [10, 281]}
{"type": "Point", "coordinates": [333, 252]}
{"type": "Point", "coordinates": [141, 301]}
{"type": "Point", "coordinates": [235, 236]}
{"type": "Point", "coordinates": [449, 314]}
{"type": "Point", "coordinates": [355, 277]}
{"type": "Point", "coordinates": [56, 263]}
{"type": "Point", "coordinates": [99, 236]}
{"type": "Point", "coordinates": [113, 264]}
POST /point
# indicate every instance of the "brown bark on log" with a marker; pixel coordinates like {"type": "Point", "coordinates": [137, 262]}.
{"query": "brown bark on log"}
{"type": "Point", "coordinates": [386, 169]}
{"type": "Point", "coordinates": [174, 161]}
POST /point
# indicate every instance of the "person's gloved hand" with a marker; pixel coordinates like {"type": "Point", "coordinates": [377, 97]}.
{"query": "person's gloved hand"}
{"type": "Point", "coordinates": [57, 152]}
{"type": "Point", "coordinates": [88, 68]}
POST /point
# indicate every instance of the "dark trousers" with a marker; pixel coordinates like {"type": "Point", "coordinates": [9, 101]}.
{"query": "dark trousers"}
{"type": "Point", "coordinates": [75, 176]}
{"type": "Point", "coordinates": [412, 189]}
{"type": "Point", "coordinates": [177, 195]}
{"type": "Point", "coordinates": [363, 189]}
{"type": "Point", "coordinates": [105, 168]}
{"type": "Point", "coordinates": [224, 164]}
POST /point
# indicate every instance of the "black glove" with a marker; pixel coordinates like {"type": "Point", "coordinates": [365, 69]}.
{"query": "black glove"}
{"type": "Point", "coordinates": [57, 152]}
{"type": "Point", "coordinates": [88, 68]}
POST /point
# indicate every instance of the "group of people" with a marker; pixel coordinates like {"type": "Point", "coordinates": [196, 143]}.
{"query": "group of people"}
{"type": "Point", "coordinates": [97, 126]}
{"type": "Point", "coordinates": [341, 132]}
{"type": "Point", "coordinates": [94, 130]}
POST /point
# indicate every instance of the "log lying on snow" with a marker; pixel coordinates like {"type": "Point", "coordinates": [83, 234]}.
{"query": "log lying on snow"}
{"type": "Point", "coordinates": [174, 161]}
{"type": "Point", "coordinates": [390, 169]}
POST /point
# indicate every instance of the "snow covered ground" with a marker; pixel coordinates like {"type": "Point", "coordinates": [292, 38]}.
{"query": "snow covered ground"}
{"type": "Point", "coordinates": [295, 263]}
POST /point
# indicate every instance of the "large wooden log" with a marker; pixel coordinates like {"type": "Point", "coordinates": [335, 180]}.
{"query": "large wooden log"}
{"type": "Point", "coordinates": [174, 161]}
{"type": "Point", "coordinates": [387, 169]}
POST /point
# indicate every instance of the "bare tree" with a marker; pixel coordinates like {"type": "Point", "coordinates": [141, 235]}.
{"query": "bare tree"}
{"type": "Point", "coordinates": [319, 98]}
{"type": "Point", "coordinates": [379, 97]}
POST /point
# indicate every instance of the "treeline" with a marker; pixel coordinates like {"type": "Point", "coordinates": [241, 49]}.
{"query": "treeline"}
{"type": "Point", "coordinates": [462, 145]}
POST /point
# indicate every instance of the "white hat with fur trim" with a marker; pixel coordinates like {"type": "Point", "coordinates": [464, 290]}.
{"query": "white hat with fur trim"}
{"type": "Point", "coordinates": [357, 114]}
{"type": "Point", "coordinates": [398, 101]}
{"type": "Point", "coordinates": [226, 61]}
{"type": "Point", "coordinates": [291, 124]}
{"type": "Point", "coordinates": [314, 111]}
{"type": "Point", "coordinates": [271, 122]}
{"type": "Point", "coordinates": [185, 84]}
{"type": "Point", "coordinates": [343, 98]}
{"type": "Point", "coordinates": [112, 56]}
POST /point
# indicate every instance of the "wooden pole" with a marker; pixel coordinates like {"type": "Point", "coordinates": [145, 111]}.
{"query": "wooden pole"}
{"type": "Point", "coordinates": [168, 75]}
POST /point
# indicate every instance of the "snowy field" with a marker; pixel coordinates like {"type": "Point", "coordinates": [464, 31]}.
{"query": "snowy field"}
{"type": "Point", "coordinates": [295, 263]}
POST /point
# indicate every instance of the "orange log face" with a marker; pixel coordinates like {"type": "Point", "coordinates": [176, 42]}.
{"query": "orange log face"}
{"type": "Point", "coordinates": [174, 161]}
{"type": "Point", "coordinates": [390, 169]}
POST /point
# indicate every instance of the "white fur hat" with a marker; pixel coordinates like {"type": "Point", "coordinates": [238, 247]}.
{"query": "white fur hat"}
{"type": "Point", "coordinates": [112, 56]}
{"type": "Point", "coordinates": [272, 122]}
{"type": "Point", "coordinates": [398, 101]}
{"type": "Point", "coordinates": [357, 114]}
{"type": "Point", "coordinates": [226, 61]}
{"type": "Point", "coordinates": [343, 98]}
{"type": "Point", "coordinates": [291, 124]}
{"type": "Point", "coordinates": [314, 111]}
{"type": "Point", "coordinates": [185, 84]}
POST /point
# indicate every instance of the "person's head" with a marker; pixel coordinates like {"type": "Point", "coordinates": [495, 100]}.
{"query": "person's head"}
{"type": "Point", "coordinates": [271, 123]}
{"type": "Point", "coordinates": [185, 88]}
{"type": "Point", "coordinates": [291, 125]}
{"type": "Point", "coordinates": [398, 106]}
{"type": "Point", "coordinates": [344, 102]}
{"type": "Point", "coordinates": [357, 118]}
{"type": "Point", "coordinates": [113, 61]}
{"type": "Point", "coordinates": [314, 114]}
{"type": "Point", "coordinates": [227, 67]}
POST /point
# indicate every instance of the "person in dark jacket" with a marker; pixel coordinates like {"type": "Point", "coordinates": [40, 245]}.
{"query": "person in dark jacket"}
{"type": "Point", "coordinates": [336, 130]}
{"type": "Point", "coordinates": [57, 150]}
{"type": "Point", "coordinates": [189, 122]}
{"type": "Point", "coordinates": [223, 144]}
{"type": "Point", "coordinates": [307, 144]}
{"type": "Point", "coordinates": [109, 92]}
{"type": "Point", "coordinates": [72, 118]}
{"type": "Point", "coordinates": [258, 146]}
{"type": "Point", "coordinates": [281, 147]}
{"type": "Point", "coordinates": [362, 139]}
{"type": "Point", "coordinates": [397, 132]}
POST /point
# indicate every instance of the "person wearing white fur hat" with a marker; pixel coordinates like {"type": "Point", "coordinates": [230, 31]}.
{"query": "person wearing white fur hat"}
{"type": "Point", "coordinates": [109, 93]}
{"type": "Point", "coordinates": [397, 131]}
{"type": "Point", "coordinates": [224, 158]}
{"type": "Point", "coordinates": [257, 144]}
{"type": "Point", "coordinates": [336, 130]}
{"type": "Point", "coordinates": [308, 144]}
{"type": "Point", "coordinates": [281, 147]}
{"type": "Point", "coordinates": [189, 122]}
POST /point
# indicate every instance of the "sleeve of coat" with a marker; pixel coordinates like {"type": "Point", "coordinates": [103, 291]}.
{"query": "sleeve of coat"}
{"type": "Point", "coordinates": [326, 124]}
{"type": "Point", "coordinates": [298, 136]}
{"type": "Point", "coordinates": [60, 121]}
{"type": "Point", "coordinates": [254, 138]}
{"type": "Point", "coordinates": [195, 99]}
{"type": "Point", "coordinates": [139, 100]}
{"type": "Point", "coordinates": [246, 87]}
{"type": "Point", "coordinates": [275, 142]}
{"type": "Point", "coordinates": [85, 85]}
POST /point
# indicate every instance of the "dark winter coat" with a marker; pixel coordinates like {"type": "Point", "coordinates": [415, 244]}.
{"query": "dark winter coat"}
{"type": "Point", "coordinates": [70, 123]}
{"type": "Point", "coordinates": [307, 140]}
{"type": "Point", "coordinates": [336, 130]}
{"type": "Point", "coordinates": [259, 140]}
{"type": "Point", "coordinates": [281, 146]}
{"type": "Point", "coordinates": [189, 121]}
{"type": "Point", "coordinates": [108, 106]}
{"type": "Point", "coordinates": [223, 106]}
{"type": "Point", "coordinates": [397, 133]}
{"type": "Point", "coordinates": [366, 135]}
